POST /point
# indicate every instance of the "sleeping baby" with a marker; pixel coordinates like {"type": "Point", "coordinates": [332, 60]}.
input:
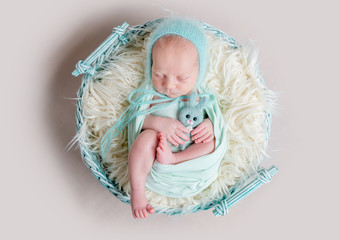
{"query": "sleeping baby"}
{"type": "Point", "coordinates": [164, 156]}
{"type": "Point", "coordinates": [174, 73]}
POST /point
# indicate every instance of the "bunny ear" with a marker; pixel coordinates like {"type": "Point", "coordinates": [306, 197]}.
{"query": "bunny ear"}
{"type": "Point", "coordinates": [193, 98]}
{"type": "Point", "coordinates": [203, 103]}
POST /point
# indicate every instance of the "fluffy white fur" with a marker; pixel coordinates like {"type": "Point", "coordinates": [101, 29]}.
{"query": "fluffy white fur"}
{"type": "Point", "coordinates": [234, 79]}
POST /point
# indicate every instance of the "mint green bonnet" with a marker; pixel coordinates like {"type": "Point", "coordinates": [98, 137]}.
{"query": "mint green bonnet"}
{"type": "Point", "coordinates": [186, 28]}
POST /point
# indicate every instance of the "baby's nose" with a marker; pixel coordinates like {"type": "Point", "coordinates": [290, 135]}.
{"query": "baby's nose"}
{"type": "Point", "coordinates": [170, 83]}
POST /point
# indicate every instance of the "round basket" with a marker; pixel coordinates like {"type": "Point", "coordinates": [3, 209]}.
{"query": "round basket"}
{"type": "Point", "coordinates": [249, 174]}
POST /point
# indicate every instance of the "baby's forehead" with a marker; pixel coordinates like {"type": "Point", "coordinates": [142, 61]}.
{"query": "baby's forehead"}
{"type": "Point", "coordinates": [175, 45]}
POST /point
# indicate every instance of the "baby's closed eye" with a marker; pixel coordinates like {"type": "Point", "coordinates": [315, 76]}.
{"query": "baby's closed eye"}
{"type": "Point", "coordinates": [159, 75]}
{"type": "Point", "coordinates": [183, 78]}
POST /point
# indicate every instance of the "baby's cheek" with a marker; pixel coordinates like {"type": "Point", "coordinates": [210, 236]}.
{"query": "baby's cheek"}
{"type": "Point", "coordinates": [192, 82]}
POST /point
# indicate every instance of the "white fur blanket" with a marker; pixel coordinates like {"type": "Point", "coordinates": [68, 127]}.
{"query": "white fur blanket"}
{"type": "Point", "coordinates": [243, 99]}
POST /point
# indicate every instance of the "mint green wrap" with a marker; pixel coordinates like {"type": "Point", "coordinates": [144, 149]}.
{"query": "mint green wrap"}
{"type": "Point", "coordinates": [191, 177]}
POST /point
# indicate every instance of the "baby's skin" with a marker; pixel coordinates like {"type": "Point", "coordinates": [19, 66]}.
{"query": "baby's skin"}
{"type": "Point", "coordinates": [175, 71]}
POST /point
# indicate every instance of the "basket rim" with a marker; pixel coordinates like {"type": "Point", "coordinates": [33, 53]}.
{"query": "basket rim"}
{"type": "Point", "coordinates": [91, 159]}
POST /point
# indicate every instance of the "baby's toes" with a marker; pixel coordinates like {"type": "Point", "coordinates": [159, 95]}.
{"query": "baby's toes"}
{"type": "Point", "coordinates": [150, 209]}
{"type": "Point", "coordinates": [162, 138]}
{"type": "Point", "coordinates": [141, 214]}
{"type": "Point", "coordinates": [136, 214]}
{"type": "Point", "coordinates": [144, 211]}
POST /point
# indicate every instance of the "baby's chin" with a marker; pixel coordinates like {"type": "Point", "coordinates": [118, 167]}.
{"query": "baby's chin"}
{"type": "Point", "coordinates": [172, 95]}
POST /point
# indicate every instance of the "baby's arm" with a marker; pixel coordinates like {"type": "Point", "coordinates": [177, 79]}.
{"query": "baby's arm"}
{"type": "Point", "coordinates": [194, 151]}
{"type": "Point", "coordinates": [172, 129]}
{"type": "Point", "coordinates": [165, 155]}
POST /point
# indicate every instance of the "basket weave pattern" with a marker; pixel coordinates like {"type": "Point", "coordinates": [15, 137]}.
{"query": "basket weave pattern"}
{"type": "Point", "coordinates": [90, 68]}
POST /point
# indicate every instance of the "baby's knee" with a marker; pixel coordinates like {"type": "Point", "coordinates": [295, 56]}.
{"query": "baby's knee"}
{"type": "Point", "coordinates": [148, 139]}
{"type": "Point", "coordinates": [149, 135]}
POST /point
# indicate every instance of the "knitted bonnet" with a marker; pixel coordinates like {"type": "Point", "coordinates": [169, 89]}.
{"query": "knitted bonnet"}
{"type": "Point", "coordinates": [186, 28]}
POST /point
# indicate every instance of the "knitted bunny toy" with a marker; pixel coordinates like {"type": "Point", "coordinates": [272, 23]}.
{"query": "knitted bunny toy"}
{"type": "Point", "coordinates": [192, 115]}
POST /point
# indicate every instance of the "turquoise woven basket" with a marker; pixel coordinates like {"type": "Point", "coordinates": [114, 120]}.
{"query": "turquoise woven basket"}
{"type": "Point", "coordinates": [121, 35]}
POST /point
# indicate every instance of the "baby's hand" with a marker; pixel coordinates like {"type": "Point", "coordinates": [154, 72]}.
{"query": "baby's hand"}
{"type": "Point", "coordinates": [173, 130]}
{"type": "Point", "coordinates": [203, 132]}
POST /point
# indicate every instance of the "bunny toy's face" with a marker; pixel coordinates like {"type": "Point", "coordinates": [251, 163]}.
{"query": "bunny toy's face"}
{"type": "Point", "coordinates": [193, 114]}
{"type": "Point", "coordinates": [191, 117]}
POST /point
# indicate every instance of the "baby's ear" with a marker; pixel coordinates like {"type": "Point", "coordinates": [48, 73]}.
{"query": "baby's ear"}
{"type": "Point", "coordinates": [203, 103]}
{"type": "Point", "coordinates": [193, 98]}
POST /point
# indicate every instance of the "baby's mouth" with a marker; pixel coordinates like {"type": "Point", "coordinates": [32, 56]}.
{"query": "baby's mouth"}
{"type": "Point", "coordinates": [167, 93]}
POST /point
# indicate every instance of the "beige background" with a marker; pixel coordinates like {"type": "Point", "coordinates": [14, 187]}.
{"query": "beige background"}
{"type": "Point", "coordinates": [48, 193]}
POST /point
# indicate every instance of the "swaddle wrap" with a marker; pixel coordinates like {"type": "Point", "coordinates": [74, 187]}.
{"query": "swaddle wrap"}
{"type": "Point", "coordinates": [186, 178]}
{"type": "Point", "coordinates": [191, 177]}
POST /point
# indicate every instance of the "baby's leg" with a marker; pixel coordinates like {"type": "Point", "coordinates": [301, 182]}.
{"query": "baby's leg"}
{"type": "Point", "coordinates": [194, 151]}
{"type": "Point", "coordinates": [140, 160]}
{"type": "Point", "coordinates": [165, 155]}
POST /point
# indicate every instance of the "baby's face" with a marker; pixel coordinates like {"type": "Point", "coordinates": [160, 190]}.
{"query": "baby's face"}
{"type": "Point", "coordinates": [175, 67]}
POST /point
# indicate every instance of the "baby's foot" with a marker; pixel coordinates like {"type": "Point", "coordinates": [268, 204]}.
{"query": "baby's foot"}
{"type": "Point", "coordinates": [164, 152]}
{"type": "Point", "coordinates": [139, 204]}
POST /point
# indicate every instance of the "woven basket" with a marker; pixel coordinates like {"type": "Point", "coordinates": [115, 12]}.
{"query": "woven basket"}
{"type": "Point", "coordinates": [91, 66]}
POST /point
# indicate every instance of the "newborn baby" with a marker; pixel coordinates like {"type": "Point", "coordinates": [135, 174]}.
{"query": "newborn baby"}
{"type": "Point", "coordinates": [175, 70]}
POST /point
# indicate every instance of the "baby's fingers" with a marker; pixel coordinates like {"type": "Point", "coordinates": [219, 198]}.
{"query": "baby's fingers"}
{"type": "Point", "coordinates": [199, 128]}
{"type": "Point", "coordinates": [210, 138]}
{"type": "Point", "coordinates": [178, 140]}
{"type": "Point", "coordinates": [199, 134]}
{"type": "Point", "coordinates": [171, 140]}
{"type": "Point", "coordinates": [182, 128]}
{"type": "Point", "coordinates": [202, 138]}
{"type": "Point", "coordinates": [182, 135]}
